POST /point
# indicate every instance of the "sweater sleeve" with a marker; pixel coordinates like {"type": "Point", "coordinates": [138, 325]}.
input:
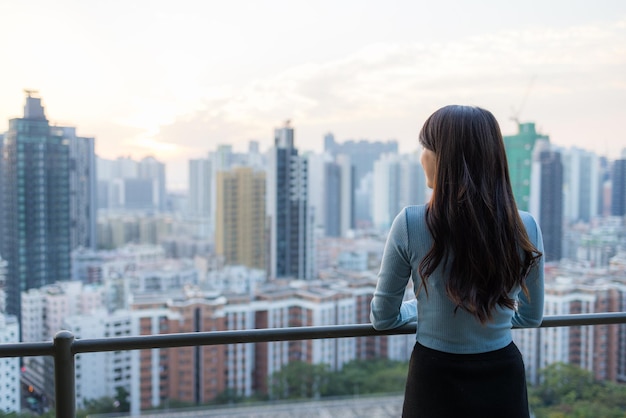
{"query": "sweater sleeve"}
{"type": "Point", "coordinates": [529, 313]}
{"type": "Point", "coordinates": [387, 307]}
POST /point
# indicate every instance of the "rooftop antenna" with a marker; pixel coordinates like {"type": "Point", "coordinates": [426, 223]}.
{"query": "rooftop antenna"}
{"type": "Point", "coordinates": [30, 92]}
{"type": "Point", "coordinates": [516, 113]}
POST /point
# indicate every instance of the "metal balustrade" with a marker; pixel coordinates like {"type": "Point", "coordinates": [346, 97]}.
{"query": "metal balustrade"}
{"type": "Point", "coordinates": [64, 346]}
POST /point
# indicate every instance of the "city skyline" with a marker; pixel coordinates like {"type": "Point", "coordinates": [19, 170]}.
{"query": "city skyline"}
{"type": "Point", "coordinates": [176, 80]}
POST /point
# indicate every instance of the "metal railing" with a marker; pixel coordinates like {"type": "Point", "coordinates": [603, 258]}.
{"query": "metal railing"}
{"type": "Point", "coordinates": [64, 346]}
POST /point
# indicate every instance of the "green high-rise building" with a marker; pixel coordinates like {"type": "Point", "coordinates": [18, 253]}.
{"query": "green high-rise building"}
{"type": "Point", "coordinates": [519, 149]}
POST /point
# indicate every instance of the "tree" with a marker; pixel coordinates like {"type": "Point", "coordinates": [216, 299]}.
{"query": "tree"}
{"type": "Point", "coordinates": [298, 380]}
{"type": "Point", "coordinates": [228, 396]}
{"type": "Point", "coordinates": [562, 380]}
{"type": "Point", "coordinates": [105, 405]}
{"type": "Point", "coordinates": [121, 397]}
{"type": "Point", "coordinates": [569, 391]}
{"type": "Point", "coordinates": [358, 377]}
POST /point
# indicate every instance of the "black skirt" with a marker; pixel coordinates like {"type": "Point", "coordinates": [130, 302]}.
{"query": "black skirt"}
{"type": "Point", "coordinates": [485, 385]}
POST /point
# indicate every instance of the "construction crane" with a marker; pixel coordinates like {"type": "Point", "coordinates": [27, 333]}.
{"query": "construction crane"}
{"type": "Point", "coordinates": [516, 113]}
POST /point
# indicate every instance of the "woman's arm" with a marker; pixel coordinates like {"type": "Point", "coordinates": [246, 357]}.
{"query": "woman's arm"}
{"type": "Point", "coordinates": [529, 313]}
{"type": "Point", "coordinates": [387, 309]}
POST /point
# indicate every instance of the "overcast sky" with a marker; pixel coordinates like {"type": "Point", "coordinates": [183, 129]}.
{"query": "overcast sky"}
{"type": "Point", "coordinates": [174, 79]}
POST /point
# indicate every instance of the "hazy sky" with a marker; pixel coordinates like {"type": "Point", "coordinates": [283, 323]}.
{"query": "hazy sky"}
{"type": "Point", "coordinates": [174, 79]}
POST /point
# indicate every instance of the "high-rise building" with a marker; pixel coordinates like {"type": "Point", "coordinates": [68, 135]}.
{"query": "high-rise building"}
{"type": "Point", "coordinates": [240, 234]}
{"type": "Point", "coordinates": [203, 183]}
{"type": "Point", "coordinates": [519, 149]}
{"type": "Point", "coordinates": [35, 240]}
{"type": "Point", "coordinates": [200, 187]}
{"type": "Point", "coordinates": [201, 190]}
{"type": "Point", "coordinates": [129, 185]}
{"type": "Point", "coordinates": [546, 199]}
{"type": "Point", "coordinates": [1, 191]}
{"type": "Point", "coordinates": [362, 155]}
{"type": "Point", "coordinates": [331, 193]}
{"type": "Point", "coordinates": [385, 193]}
{"type": "Point", "coordinates": [398, 182]}
{"type": "Point", "coordinates": [618, 188]}
{"type": "Point", "coordinates": [316, 187]}
{"type": "Point", "coordinates": [605, 195]}
{"type": "Point", "coordinates": [348, 190]}
{"type": "Point", "coordinates": [254, 158]}
{"type": "Point", "coordinates": [582, 185]}
{"type": "Point", "coordinates": [290, 219]}
{"type": "Point", "coordinates": [332, 199]}
{"type": "Point", "coordinates": [83, 192]}
{"type": "Point", "coordinates": [152, 169]}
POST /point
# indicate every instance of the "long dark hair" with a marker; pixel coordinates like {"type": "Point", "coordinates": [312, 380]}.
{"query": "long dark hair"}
{"type": "Point", "coordinates": [472, 214]}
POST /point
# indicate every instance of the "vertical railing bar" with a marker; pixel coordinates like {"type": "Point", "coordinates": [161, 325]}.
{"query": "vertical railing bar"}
{"type": "Point", "coordinates": [64, 375]}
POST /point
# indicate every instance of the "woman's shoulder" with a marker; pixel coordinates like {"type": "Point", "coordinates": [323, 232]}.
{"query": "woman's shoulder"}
{"type": "Point", "coordinates": [527, 218]}
{"type": "Point", "coordinates": [531, 225]}
{"type": "Point", "coordinates": [418, 233]}
{"type": "Point", "coordinates": [415, 216]}
{"type": "Point", "coordinates": [415, 212]}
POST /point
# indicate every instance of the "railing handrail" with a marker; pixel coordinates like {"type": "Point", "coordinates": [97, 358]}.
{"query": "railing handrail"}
{"type": "Point", "coordinates": [92, 345]}
{"type": "Point", "coordinates": [64, 346]}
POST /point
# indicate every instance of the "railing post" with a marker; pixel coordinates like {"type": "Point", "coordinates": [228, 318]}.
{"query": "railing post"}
{"type": "Point", "coordinates": [64, 375]}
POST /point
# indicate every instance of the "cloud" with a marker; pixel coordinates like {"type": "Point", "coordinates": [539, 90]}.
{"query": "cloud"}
{"type": "Point", "coordinates": [385, 89]}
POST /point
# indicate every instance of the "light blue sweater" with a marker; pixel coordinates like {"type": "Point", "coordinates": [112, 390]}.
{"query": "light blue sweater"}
{"type": "Point", "coordinates": [438, 326]}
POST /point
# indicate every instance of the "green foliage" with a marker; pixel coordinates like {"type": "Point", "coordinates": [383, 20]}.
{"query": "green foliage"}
{"type": "Point", "coordinates": [229, 396]}
{"type": "Point", "coordinates": [301, 380]}
{"type": "Point", "coordinates": [27, 414]}
{"type": "Point", "coordinates": [370, 376]}
{"type": "Point", "coordinates": [168, 404]}
{"type": "Point", "coordinates": [569, 391]}
{"type": "Point", "coordinates": [123, 399]}
{"type": "Point", "coordinates": [106, 405]}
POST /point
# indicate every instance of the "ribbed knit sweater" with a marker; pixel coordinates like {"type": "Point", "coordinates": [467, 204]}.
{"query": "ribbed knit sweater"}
{"type": "Point", "coordinates": [438, 325]}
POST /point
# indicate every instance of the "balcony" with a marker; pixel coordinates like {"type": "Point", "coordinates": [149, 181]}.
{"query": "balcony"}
{"type": "Point", "coordinates": [64, 346]}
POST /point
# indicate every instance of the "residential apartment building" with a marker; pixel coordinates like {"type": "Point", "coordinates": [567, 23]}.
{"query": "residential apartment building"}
{"type": "Point", "coordinates": [10, 394]}
{"type": "Point", "coordinates": [601, 349]}
{"type": "Point", "coordinates": [194, 375]}
{"type": "Point", "coordinates": [44, 311]}
{"type": "Point", "coordinates": [240, 227]}
{"type": "Point", "coordinates": [107, 373]}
